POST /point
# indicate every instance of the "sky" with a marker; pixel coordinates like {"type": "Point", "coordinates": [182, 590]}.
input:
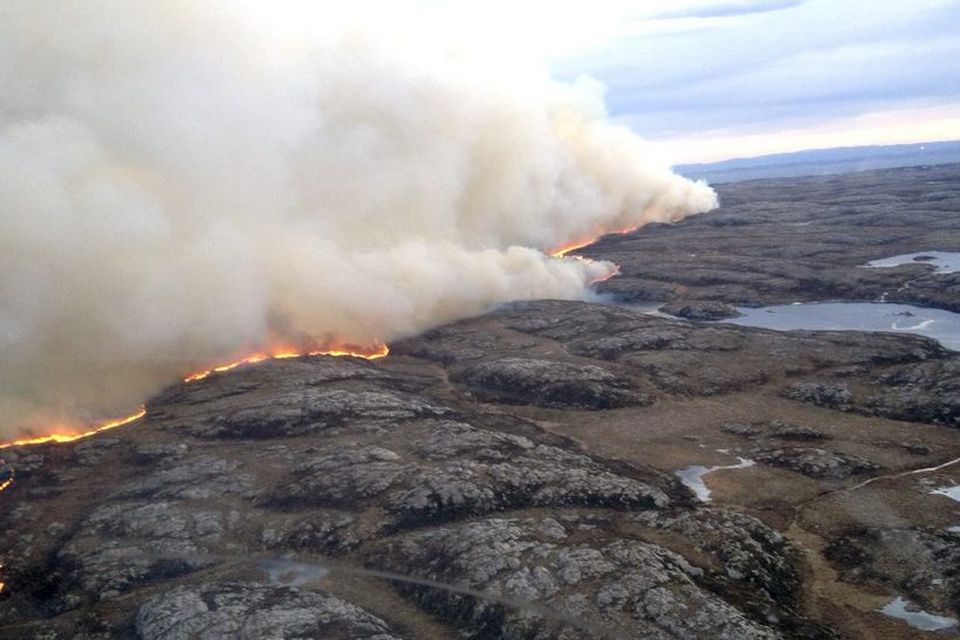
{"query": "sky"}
{"type": "Point", "coordinates": [714, 79]}
{"type": "Point", "coordinates": [707, 80]}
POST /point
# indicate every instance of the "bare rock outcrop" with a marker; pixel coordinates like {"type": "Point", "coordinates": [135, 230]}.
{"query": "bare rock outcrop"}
{"type": "Point", "coordinates": [816, 463]}
{"type": "Point", "coordinates": [241, 611]}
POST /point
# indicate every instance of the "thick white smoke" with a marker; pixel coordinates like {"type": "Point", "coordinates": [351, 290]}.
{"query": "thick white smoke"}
{"type": "Point", "coordinates": [181, 181]}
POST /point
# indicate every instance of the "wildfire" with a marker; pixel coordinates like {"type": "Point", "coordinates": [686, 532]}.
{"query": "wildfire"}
{"type": "Point", "coordinates": [70, 437]}
{"type": "Point", "coordinates": [615, 271]}
{"type": "Point", "coordinates": [567, 248]}
{"type": "Point", "coordinates": [563, 250]}
{"type": "Point", "coordinates": [373, 352]}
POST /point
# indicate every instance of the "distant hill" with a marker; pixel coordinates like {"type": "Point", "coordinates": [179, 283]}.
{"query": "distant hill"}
{"type": "Point", "coordinates": [824, 161]}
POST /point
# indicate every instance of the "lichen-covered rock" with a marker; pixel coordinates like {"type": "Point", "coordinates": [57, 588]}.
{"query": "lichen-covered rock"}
{"type": "Point", "coordinates": [546, 478]}
{"type": "Point", "coordinates": [244, 611]}
{"type": "Point", "coordinates": [93, 452]}
{"type": "Point", "coordinates": [550, 384]}
{"type": "Point", "coordinates": [154, 520]}
{"type": "Point", "coordinates": [195, 478]}
{"type": "Point", "coordinates": [816, 463]}
{"type": "Point", "coordinates": [96, 570]}
{"type": "Point", "coordinates": [747, 553]}
{"type": "Point", "coordinates": [23, 459]}
{"type": "Point", "coordinates": [602, 579]}
{"type": "Point", "coordinates": [742, 430]}
{"type": "Point", "coordinates": [160, 452]}
{"type": "Point", "coordinates": [312, 409]}
{"type": "Point", "coordinates": [834, 395]}
{"type": "Point", "coordinates": [788, 431]}
{"type": "Point", "coordinates": [923, 565]}
{"type": "Point", "coordinates": [446, 439]}
{"type": "Point", "coordinates": [123, 545]}
{"type": "Point", "coordinates": [700, 310]}
{"type": "Point", "coordinates": [325, 532]}
{"type": "Point", "coordinates": [453, 469]}
{"type": "Point", "coordinates": [926, 392]}
{"type": "Point", "coordinates": [448, 345]}
{"type": "Point", "coordinates": [344, 475]}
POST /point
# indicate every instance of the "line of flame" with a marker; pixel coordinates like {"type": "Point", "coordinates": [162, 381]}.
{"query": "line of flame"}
{"type": "Point", "coordinates": [563, 250]}
{"type": "Point", "coordinates": [615, 271]}
{"type": "Point", "coordinates": [6, 483]}
{"type": "Point", "coordinates": [568, 248]}
{"type": "Point", "coordinates": [378, 350]}
{"type": "Point", "coordinates": [70, 437]}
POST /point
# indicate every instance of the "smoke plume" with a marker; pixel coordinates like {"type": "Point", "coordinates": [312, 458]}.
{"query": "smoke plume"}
{"type": "Point", "coordinates": [188, 180]}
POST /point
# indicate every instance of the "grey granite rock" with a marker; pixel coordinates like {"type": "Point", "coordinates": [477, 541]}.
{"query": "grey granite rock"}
{"type": "Point", "coordinates": [310, 410]}
{"type": "Point", "coordinates": [835, 395]}
{"type": "Point", "coordinates": [925, 392]}
{"type": "Point", "coordinates": [455, 470]}
{"type": "Point", "coordinates": [742, 430]}
{"type": "Point", "coordinates": [789, 431]}
{"type": "Point", "coordinates": [550, 384]}
{"type": "Point", "coordinates": [700, 310]}
{"type": "Point", "coordinates": [243, 611]}
{"type": "Point", "coordinates": [93, 570]}
{"type": "Point", "coordinates": [922, 565]}
{"type": "Point", "coordinates": [195, 478]}
{"type": "Point", "coordinates": [93, 452]}
{"type": "Point", "coordinates": [747, 553]}
{"type": "Point", "coordinates": [641, 588]}
{"type": "Point", "coordinates": [816, 463]}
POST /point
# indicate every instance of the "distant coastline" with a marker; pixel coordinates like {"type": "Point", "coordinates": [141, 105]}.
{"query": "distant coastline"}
{"type": "Point", "coordinates": [824, 162]}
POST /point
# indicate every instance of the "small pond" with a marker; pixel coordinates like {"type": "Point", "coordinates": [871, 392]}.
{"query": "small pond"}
{"type": "Point", "coordinates": [692, 477]}
{"type": "Point", "coordinates": [943, 261]}
{"type": "Point", "coordinates": [902, 610]}
{"type": "Point", "coordinates": [292, 573]}
{"type": "Point", "coordinates": [951, 492]}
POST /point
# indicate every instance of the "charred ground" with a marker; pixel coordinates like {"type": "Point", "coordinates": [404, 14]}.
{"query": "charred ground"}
{"type": "Point", "coordinates": [530, 454]}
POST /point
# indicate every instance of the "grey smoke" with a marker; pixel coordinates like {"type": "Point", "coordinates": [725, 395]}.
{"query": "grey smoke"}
{"type": "Point", "coordinates": [180, 184]}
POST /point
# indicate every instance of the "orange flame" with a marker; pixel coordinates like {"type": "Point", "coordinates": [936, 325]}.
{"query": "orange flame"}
{"type": "Point", "coordinates": [3, 485]}
{"type": "Point", "coordinates": [200, 375]}
{"type": "Point", "coordinates": [615, 271]}
{"type": "Point", "coordinates": [560, 252]}
{"type": "Point", "coordinates": [563, 250]}
{"type": "Point", "coordinates": [70, 437]}
{"type": "Point", "coordinates": [373, 352]}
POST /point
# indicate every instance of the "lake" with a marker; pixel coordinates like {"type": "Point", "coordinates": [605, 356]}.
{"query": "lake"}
{"type": "Point", "coordinates": [943, 326]}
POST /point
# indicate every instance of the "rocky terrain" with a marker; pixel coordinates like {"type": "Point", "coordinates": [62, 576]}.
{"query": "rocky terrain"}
{"type": "Point", "coordinates": [799, 239]}
{"type": "Point", "coordinates": [514, 475]}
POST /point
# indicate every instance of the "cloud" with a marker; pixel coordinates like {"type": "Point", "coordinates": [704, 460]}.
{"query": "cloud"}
{"type": "Point", "coordinates": [727, 8]}
{"type": "Point", "coordinates": [815, 62]}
